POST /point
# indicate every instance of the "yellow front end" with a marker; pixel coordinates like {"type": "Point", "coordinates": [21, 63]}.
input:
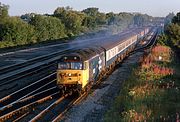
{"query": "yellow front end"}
{"type": "Point", "coordinates": [72, 77]}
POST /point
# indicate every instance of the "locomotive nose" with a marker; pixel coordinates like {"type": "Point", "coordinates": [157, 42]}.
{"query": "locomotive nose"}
{"type": "Point", "coordinates": [69, 78]}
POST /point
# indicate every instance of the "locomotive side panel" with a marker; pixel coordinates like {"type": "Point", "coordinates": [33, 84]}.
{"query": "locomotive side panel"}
{"type": "Point", "coordinates": [93, 68]}
{"type": "Point", "coordinates": [96, 65]}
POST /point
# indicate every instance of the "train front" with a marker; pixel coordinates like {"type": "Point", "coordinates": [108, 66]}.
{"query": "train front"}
{"type": "Point", "coordinates": [71, 74]}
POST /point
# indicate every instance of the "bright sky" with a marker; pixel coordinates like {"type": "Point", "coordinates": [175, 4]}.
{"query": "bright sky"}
{"type": "Point", "coordinates": [151, 7]}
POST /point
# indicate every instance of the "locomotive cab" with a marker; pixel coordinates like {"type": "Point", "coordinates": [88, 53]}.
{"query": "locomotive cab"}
{"type": "Point", "coordinates": [72, 73]}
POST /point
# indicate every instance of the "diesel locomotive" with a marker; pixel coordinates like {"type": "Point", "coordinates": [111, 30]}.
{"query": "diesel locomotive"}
{"type": "Point", "coordinates": [79, 70]}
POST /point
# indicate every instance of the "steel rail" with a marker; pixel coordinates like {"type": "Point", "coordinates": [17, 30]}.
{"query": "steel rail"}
{"type": "Point", "coordinates": [28, 99]}
{"type": "Point", "coordinates": [47, 109]}
{"type": "Point", "coordinates": [151, 40]}
{"type": "Point", "coordinates": [26, 108]}
{"type": "Point", "coordinates": [70, 105]}
{"type": "Point", "coordinates": [29, 68]}
{"type": "Point", "coordinates": [24, 74]}
{"type": "Point", "coordinates": [9, 68]}
{"type": "Point", "coordinates": [19, 118]}
{"type": "Point", "coordinates": [31, 86]}
{"type": "Point", "coordinates": [8, 105]}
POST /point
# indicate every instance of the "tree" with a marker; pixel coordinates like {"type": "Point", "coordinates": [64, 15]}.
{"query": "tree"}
{"type": "Point", "coordinates": [173, 31]}
{"type": "Point", "coordinates": [91, 11]}
{"type": "Point", "coordinates": [101, 19]}
{"type": "Point", "coordinates": [17, 31]}
{"type": "Point", "coordinates": [73, 23]}
{"type": "Point", "coordinates": [176, 19]}
{"type": "Point", "coordinates": [47, 27]}
{"type": "Point", "coordinates": [3, 12]}
{"type": "Point", "coordinates": [71, 19]}
{"type": "Point", "coordinates": [60, 13]}
{"type": "Point", "coordinates": [110, 18]}
{"type": "Point", "coordinates": [142, 19]}
{"type": "Point", "coordinates": [89, 22]}
{"type": "Point", "coordinates": [93, 17]}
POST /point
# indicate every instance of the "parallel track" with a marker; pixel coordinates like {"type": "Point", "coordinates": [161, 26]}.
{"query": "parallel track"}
{"type": "Point", "coordinates": [18, 112]}
{"type": "Point", "coordinates": [27, 108]}
{"type": "Point", "coordinates": [20, 103]}
{"type": "Point", "coordinates": [10, 68]}
{"type": "Point", "coordinates": [28, 90]}
{"type": "Point", "coordinates": [16, 72]}
{"type": "Point", "coordinates": [28, 100]}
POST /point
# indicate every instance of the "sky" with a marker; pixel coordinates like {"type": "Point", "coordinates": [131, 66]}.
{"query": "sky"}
{"type": "Point", "coordinates": [151, 7]}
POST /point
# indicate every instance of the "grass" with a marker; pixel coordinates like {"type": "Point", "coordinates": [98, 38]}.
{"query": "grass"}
{"type": "Point", "coordinates": [152, 92]}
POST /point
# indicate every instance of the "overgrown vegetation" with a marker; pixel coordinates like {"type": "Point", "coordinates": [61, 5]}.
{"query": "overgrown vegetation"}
{"type": "Point", "coordinates": [63, 23]}
{"type": "Point", "coordinates": [152, 92]}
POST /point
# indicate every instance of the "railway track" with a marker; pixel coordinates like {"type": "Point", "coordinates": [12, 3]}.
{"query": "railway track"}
{"type": "Point", "coordinates": [11, 71]}
{"type": "Point", "coordinates": [27, 97]}
{"type": "Point", "coordinates": [28, 90]}
{"type": "Point", "coordinates": [27, 100]}
{"type": "Point", "coordinates": [56, 110]}
{"type": "Point", "coordinates": [17, 113]}
{"type": "Point", "coordinates": [21, 103]}
{"type": "Point", "coordinates": [70, 105]}
{"type": "Point", "coordinates": [11, 68]}
{"type": "Point", "coordinates": [150, 43]}
{"type": "Point", "coordinates": [27, 73]}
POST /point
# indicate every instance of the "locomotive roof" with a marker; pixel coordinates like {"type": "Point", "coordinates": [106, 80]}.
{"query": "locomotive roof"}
{"type": "Point", "coordinates": [86, 53]}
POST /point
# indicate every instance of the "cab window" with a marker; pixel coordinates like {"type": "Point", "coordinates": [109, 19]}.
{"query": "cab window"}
{"type": "Point", "coordinates": [70, 65]}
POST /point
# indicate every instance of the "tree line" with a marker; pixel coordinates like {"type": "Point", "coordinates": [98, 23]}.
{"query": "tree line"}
{"type": "Point", "coordinates": [63, 23]}
{"type": "Point", "coordinates": [171, 36]}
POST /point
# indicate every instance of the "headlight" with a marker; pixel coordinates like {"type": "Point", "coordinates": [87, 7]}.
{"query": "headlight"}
{"type": "Point", "coordinates": [69, 74]}
{"type": "Point", "coordinates": [79, 82]}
